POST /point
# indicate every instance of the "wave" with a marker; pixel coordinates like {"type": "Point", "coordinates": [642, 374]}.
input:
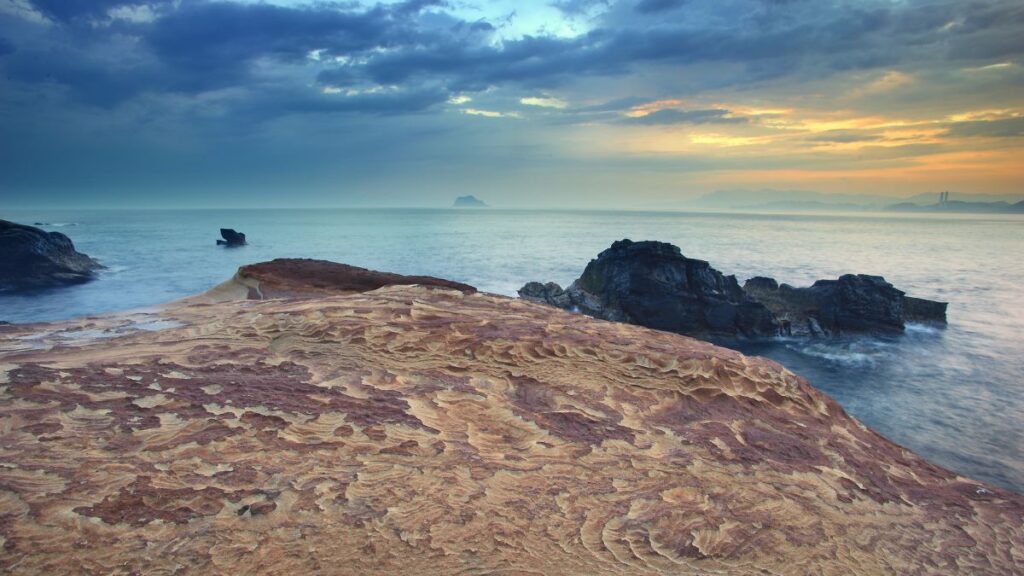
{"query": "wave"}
{"type": "Point", "coordinates": [862, 353]}
{"type": "Point", "coordinates": [925, 329]}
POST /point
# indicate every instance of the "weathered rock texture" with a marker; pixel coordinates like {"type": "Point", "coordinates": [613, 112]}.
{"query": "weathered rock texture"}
{"type": "Point", "coordinates": [292, 277]}
{"type": "Point", "coordinates": [652, 284]}
{"type": "Point", "coordinates": [31, 259]}
{"type": "Point", "coordinates": [413, 429]}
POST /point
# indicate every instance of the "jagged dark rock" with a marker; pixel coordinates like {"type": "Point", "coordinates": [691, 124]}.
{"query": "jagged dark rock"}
{"type": "Point", "coordinates": [652, 284]}
{"type": "Point", "coordinates": [31, 259]}
{"type": "Point", "coordinates": [921, 310]}
{"type": "Point", "coordinates": [853, 303]}
{"type": "Point", "coordinates": [231, 238]}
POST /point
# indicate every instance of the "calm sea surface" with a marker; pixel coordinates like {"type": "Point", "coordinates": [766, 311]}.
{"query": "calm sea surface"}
{"type": "Point", "coordinates": [954, 395]}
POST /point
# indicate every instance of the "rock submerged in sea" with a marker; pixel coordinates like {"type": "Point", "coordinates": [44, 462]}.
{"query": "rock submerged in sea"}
{"type": "Point", "coordinates": [370, 426]}
{"type": "Point", "coordinates": [31, 259]}
{"type": "Point", "coordinates": [652, 284]}
{"type": "Point", "coordinates": [231, 238]}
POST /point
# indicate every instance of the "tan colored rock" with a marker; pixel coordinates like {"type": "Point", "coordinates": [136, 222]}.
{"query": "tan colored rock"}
{"type": "Point", "coordinates": [420, 430]}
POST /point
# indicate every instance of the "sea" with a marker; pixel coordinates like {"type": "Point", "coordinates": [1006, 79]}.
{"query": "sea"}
{"type": "Point", "coordinates": [955, 395]}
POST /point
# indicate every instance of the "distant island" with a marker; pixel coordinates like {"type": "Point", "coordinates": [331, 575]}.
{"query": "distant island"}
{"type": "Point", "coordinates": [469, 202]}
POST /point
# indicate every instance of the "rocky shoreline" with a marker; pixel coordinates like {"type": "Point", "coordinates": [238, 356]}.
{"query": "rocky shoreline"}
{"type": "Point", "coordinates": [652, 284]}
{"type": "Point", "coordinates": [34, 259]}
{"type": "Point", "coordinates": [314, 418]}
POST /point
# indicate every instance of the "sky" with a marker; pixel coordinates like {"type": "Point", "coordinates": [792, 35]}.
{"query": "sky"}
{"type": "Point", "coordinates": [559, 103]}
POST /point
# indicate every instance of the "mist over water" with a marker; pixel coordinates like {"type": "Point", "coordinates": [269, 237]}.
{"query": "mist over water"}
{"type": "Point", "coordinates": [954, 395]}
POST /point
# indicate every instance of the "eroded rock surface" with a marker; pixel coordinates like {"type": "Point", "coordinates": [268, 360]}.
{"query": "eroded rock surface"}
{"type": "Point", "coordinates": [413, 429]}
{"type": "Point", "coordinates": [290, 277]}
{"type": "Point", "coordinates": [31, 258]}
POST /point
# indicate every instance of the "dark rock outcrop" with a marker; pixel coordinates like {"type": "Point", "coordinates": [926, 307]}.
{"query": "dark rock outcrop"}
{"type": "Point", "coordinates": [652, 284]}
{"type": "Point", "coordinates": [921, 310]}
{"type": "Point", "coordinates": [31, 259]}
{"type": "Point", "coordinates": [231, 238]}
{"type": "Point", "coordinates": [853, 303]}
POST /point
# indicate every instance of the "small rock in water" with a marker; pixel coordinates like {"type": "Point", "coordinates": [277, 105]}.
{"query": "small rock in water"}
{"type": "Point", "coordinates": [231, 238]}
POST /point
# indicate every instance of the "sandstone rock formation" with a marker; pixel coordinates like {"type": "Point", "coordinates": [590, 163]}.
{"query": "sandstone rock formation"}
{"type": "Point", "coordinates": [31, 259]}
{"type": "Point", "coordinates": [652, 284]}
{"type": "Point", "coordinates": [421, 429]}
{"type": "Point", "coordinates": [304, 277]}
{"type": "Point", "coordinates": [231, 238]}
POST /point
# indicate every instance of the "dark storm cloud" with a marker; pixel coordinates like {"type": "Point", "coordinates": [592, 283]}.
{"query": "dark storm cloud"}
{"type": "Point", "coordinates": [94, 82]}
{"type": "Point", "coordinates": [200, 46]}
{"type": "Point", "coordinates": [673, 116]}
{"type": "Point", "coordinates": [652, 6]}
{"type": "Point", "coordinates": [293, 101]}
{"type": "Point", "coordinates": [212, 45]}
{"type": "Point", "coordinates": [70, 10]}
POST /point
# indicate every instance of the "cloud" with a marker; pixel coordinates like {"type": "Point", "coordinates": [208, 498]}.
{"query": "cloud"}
{"type": "Point", "coordinates": [179, 74]}
{"type": "Point", "coordinates": [674, 116]}
{"type": "Point", "coordinates": [844, 137]}
{"type": "Point", "coordinates": [544, 102]}
{"type": "Point", "coordinates": [1001, 128]}
{"type": "Point", "coordinates": [654, 6]}
{"type": "Point", "coordinates": [201, 46]}
{"type": "Point", "coordinates": [65, 11]}
{"type": "Point", "coordinates": [489, 113]}
{"type": "Point", "coordinates": [579, 7]}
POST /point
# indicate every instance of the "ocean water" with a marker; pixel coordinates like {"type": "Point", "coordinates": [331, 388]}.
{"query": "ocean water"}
{"type": "Point", "coordinates": [954, 395]}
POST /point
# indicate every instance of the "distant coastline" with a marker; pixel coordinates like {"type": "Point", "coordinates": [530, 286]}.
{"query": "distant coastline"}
{"type": "Point", "coordinates": [806, 201]}
{"type": "Point", "coordinates": [959, 206]}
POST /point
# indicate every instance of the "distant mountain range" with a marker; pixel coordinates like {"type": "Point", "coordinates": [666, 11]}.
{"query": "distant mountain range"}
{"type": "Point", "coordinates": [806, 201]}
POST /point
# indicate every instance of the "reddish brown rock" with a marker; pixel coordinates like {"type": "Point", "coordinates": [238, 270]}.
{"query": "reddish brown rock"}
{"type": "Point", "coordinates": [297, 276]}
{"type": "Point", "coordinates": [413, 429]}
